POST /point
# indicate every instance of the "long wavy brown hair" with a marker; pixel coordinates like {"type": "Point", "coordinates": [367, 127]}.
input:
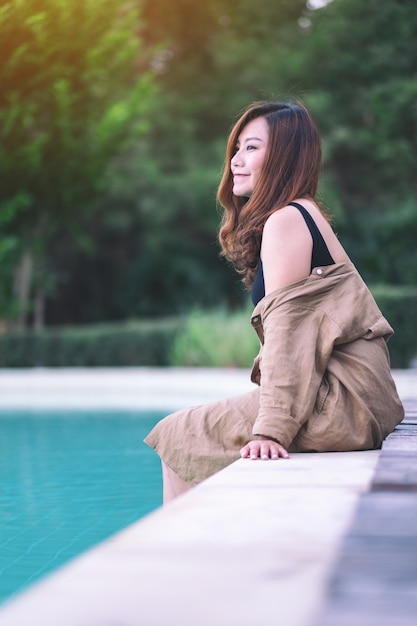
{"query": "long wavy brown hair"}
{"type": "Point", "coordinates": [291, 170]}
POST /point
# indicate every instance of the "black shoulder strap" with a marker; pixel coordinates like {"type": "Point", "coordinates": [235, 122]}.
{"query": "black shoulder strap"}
{"type": "Point", "coordinates": [321, 254]}
{"type": "Point", "coordinates": [312, 226]}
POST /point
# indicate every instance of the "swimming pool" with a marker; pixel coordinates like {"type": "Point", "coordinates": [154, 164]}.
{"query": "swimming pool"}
{"type": "Point", "coordinates": [69, 480]}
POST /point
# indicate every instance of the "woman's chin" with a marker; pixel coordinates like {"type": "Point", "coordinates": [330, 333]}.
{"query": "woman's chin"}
{"type": "Point", "coordinates": [242, 193]}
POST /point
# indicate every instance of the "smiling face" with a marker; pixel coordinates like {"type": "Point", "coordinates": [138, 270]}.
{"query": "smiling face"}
{"type": "Point", "coordinates": [248, 160]}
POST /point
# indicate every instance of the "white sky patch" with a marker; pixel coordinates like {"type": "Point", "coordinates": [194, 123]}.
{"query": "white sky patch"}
{"type": "Point", "coordinates": [317, 4]}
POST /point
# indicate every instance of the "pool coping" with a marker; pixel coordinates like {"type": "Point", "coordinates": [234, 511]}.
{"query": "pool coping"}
{"type": "Point", "coordinates": [135, 387]}
{"type": "Point", "coordinates": [118, 388]}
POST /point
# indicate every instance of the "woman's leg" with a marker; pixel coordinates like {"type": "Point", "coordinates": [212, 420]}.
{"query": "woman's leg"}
{"type": "Point", "coordinates": [218, 431]}
{"type": "Point", "coordinates": [173, 485]}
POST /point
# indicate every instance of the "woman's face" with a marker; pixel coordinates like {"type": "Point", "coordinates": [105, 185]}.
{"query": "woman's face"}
{"type": "Point", "coordinates": [249, 157]}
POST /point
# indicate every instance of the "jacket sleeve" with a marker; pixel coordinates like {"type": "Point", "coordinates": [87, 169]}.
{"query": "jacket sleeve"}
{"type": "Point", "coordinates": [297, 344]}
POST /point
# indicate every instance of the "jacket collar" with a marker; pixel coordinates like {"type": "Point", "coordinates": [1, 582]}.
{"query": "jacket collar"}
{"type": "Point", "coordinates": [321, 279]}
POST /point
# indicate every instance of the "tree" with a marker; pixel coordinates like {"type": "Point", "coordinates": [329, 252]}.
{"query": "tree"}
{"type": "Point", "coordinates": [112, 142]}
{"type": "Point", "coordinates": [358, 66]}
{"type": "Point", "coordinates": [71, 101]}
{"type": "Point", "coordinates": [159, 253]}
{"type": "Point", "coordinates": [210, 60]}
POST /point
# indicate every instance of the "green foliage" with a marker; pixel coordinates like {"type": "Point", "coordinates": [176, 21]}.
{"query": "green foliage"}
{"type": "Point", "coordinates": [158, 251]}
{"type": "Point", "coordinates": [124, 344]}
{"type": "Point", "coordinates": [71, 100]}
{"type": "Point", "coordinates": [113, 120]}
{"type": "Point", "coordinates": [221, 339]}
{"type": "Point", "coordinates": [215, 339]}
{"type": "Point", "coordinates": [383, 244]}
{"type": "Point", "coordinates": [358, 67]}
{"type": "Point", "coordinates": [399, 305]}
{"type": "Point", "coordinates": [9, 251]}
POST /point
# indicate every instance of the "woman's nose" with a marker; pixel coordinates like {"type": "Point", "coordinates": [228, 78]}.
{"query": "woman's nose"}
{"type": "Point", "coordinates": [237, 158]}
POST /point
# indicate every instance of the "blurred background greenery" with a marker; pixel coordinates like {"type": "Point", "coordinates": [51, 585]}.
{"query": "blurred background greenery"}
{"type": "Point", "coordinates": [113, 121]}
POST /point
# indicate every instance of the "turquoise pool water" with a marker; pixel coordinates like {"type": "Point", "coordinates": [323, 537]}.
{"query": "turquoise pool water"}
{"type": "Point", "coordinates": [68, 480]}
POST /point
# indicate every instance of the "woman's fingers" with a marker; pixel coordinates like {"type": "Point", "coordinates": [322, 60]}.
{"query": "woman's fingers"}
{"type": "Point", "coordinates": [263, 449]}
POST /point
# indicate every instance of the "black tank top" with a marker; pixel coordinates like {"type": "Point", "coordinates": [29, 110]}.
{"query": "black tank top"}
{"type": "Point", "coordinates": [319, 256]}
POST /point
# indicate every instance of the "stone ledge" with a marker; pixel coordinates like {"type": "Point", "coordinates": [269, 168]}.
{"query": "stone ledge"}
{"type": "Point", "coordinates": [135, 387]}
{"type": "Point", "coordinates": [131, 388]}
{"type": "Point", "coordinates": [373, 581]}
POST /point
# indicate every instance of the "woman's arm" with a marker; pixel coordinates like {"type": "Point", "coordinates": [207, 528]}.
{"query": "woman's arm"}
{"type": "Point", "coordinates": [286, 249]}
{"type": "Point", "coordinates": [286, 257]}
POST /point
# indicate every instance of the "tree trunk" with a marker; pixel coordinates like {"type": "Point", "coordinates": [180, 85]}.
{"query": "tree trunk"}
{"type": "Point", "coordinates": [39, 313]}
{"type": "Point", "coordinates": [22, 285]}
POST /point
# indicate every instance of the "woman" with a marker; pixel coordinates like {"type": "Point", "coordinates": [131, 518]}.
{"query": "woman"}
{"type": "Point", "coordinates": [323, 374]}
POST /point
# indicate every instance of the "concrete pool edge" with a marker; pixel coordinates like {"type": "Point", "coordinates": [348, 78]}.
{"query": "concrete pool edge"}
{"type": "Point", "coordinates": [118, 388]}
{"type": "Point", "coordinates": [135, 388]}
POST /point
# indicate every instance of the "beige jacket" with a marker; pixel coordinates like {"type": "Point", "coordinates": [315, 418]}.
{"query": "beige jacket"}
{"type": "Point", "coordinates": [323, 369]}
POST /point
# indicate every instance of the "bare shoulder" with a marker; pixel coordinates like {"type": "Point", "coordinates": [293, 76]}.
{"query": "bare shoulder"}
{"type": "Point", "coordinates": [286, 248]}
{"type": "Point", "coordinates": [282, 222]}
{"type": "Point", "coordinates": [285, 229]}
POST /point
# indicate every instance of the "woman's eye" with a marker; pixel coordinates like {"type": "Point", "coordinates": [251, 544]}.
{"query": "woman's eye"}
{"type": "Point", "coordinates": [249, 147]}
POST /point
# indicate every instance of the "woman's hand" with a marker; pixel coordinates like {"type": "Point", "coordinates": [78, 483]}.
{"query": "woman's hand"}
{"type": "Point", "coordinates": [264, 449]}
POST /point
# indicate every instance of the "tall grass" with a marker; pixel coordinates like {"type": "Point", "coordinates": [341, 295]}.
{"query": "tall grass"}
{"type": "Point", "coordinates": [215, 339]}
